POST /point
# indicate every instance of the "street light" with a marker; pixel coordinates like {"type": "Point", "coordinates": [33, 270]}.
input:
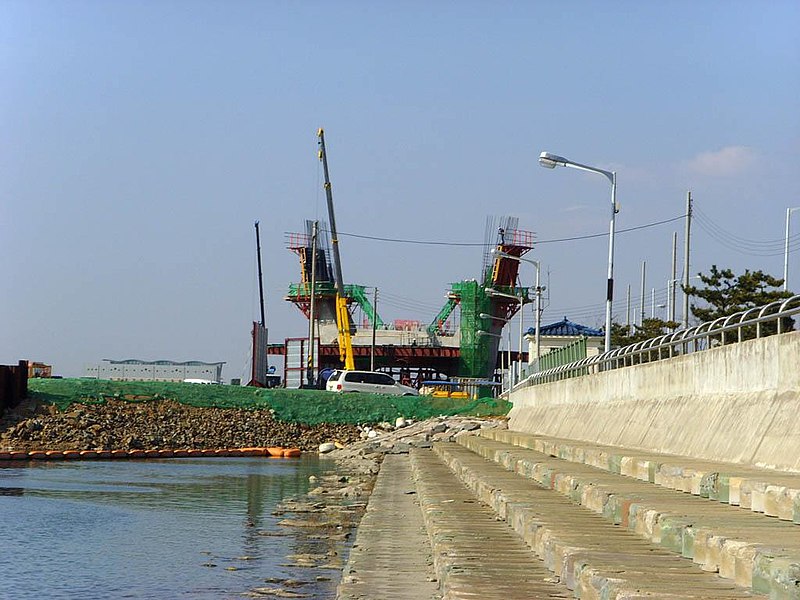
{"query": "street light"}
{"type": "Point", "coordinates": [789, 212]}
{"type": "Point", "coordinates": [521, 299]}
{"type": "Point", "coordinates": [539, 290]}
{"type": "Point", "coordinates": [481, 333]}
{"type": "Point", "coordinates": [551, 161]}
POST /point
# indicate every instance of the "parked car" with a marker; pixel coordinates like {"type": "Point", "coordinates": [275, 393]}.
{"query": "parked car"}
{"type": "Point", "coordinates": [367, 381]}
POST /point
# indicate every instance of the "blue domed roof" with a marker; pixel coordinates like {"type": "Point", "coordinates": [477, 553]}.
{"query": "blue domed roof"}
{"type": "Point", "coordinates": [566, 327]}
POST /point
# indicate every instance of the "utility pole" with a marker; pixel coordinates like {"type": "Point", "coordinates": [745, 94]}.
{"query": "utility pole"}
{"type": "Point", "coordinates": [641, 298]}
{"type": "Point", "coordinates": [538, 314]}
{"type": "Point", "coordinates": [653, 303]}
{"type": "Point", "coordinates": [374, 328]}
{"type": "Point", "coordinates": [673, 278]}
{"type": "Point", "coordinates": [786, 250]}
{"type": "Point", "coordinates": [311, 315]}
{"type": "Point", "coordinates": [687, 238]}
{"type": "Point", "coordinates": [628, 311]}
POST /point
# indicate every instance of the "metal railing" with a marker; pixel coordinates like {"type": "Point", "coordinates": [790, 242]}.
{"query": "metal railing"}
{"type": "Point", "coordinates": [761, 321]}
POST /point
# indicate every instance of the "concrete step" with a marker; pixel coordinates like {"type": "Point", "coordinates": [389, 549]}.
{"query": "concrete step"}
{"type": "Point", "coordinates": [391, 556]}
{"type": "Point", "coordinates": [773, 493]}
{"type": "Point", "coordinates": [476, 556]}
{"type": "Point", "coordinates": [593, 557]}
{"type": "Point", "coordinates": [757, 552]}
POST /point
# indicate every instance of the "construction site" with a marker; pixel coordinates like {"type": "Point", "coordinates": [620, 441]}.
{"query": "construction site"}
{"type": "Point", "coordinates": [460, 343]}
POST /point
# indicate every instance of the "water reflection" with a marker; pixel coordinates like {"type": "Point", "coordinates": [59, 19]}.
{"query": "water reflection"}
{"type": "Point", "coordinates": [190, 528]}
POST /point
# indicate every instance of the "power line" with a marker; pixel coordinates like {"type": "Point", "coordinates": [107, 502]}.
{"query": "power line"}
{"type": "Point", "coordinates": [483, 244]}
{"type": "Point", "coordinates": [596, 235]}
{"type": "Point", "coordinates": [762, 244]}
{"type": "Point", "coordinates": [746, 247]}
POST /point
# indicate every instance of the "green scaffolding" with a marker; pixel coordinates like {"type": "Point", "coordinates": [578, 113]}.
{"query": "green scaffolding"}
{"type": "Point", "coordinates": [478, 352]}
{"type": "Point", "coordinates": [354, 292]}
{"type": "Point", "coordinates": [437, 325]}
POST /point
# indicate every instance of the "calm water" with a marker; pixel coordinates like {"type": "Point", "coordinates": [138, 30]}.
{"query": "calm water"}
{"type": "Point", "coordinates": [152, 529]}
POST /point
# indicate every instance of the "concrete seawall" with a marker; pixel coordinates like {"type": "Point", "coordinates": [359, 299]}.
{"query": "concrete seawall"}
{"type": "Point", "coordinates": [738, 403]}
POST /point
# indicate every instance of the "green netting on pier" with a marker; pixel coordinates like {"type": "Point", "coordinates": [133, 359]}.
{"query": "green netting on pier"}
{"type": "Point", "coordinates": [477, 351]}
{"type": "Point", "coordinates": [302, 406]}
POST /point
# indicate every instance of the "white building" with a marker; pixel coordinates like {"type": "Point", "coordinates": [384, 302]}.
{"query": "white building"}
{"type": "Point", "coordinates": [564, 332]}
{"type": "Point", "coordinates": [156, 370]}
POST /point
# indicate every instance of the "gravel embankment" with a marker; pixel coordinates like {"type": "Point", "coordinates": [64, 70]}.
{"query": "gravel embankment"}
{"type": "Point", "coordinates": [163, 424]}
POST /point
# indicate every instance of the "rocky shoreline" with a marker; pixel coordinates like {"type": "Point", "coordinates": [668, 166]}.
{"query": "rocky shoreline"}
{"type": "Point", "coordinates": [325, 519]}
{"type": "Point", "coordinates": [157, 425]}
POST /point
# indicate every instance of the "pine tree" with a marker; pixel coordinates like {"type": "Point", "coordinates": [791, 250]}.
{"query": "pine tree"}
{"type": "Point", "coordinates": [726, 293]}
{"type": "Point", "coordinates": [650, 328]}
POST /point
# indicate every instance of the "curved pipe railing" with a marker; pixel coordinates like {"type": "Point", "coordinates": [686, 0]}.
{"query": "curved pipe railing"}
{"type": "Point", "coordinates": [684, 341]}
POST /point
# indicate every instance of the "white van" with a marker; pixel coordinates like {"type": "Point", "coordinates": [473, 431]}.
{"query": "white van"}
{"type": "Point", "coordinates": [367, 381]}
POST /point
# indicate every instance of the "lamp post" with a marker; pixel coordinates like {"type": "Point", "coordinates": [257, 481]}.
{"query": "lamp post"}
{"type": "Point", "coordinates": [481, 333]}
{"type": "Point", "coordinates": [521, 299]}
{"type": "Point", "coordinates": [551, 161]}
{"type": "Point", "coordinates": [789, 212]}
{"type": "Point", "coordinates": [539, 290]}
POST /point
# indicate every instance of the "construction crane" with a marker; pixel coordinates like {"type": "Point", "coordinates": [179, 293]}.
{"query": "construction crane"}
{"type": "Point", "coordinates": [342, 314]}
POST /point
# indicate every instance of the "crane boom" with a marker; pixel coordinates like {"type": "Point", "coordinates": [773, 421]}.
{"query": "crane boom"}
{"type": "Point", "coordinates": [342, 315]}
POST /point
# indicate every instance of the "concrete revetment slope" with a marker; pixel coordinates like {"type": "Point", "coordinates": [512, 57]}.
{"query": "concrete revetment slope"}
{"type": "Point", "coordinates": [738, 403]}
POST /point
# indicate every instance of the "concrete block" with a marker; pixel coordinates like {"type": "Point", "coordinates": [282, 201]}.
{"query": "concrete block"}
{"type": "Point", "coordinates": [652, 468]}
{"type": "Point", "coordinates": [594, 497]}
{"type": "Point", "coordinates": [616, 510]}
{"type": "Point", "coordinates": [746, 493]}
{"type": "Point", "coordinates": [721, 491]}
{"type": "Point", "coordinates": [787, 503]}
{"type": "Point", "coordinates": [563, 565]}
{"type": "Point", "coordinates": [649, 525]}
{"type": "Point", "coordinates": [576, 564]}
{"type": "Point", "coordinates": [642, 469]}
{"type": "Point", "coordinates": [709, 484]}
{"type": "Point", "coordinates": [700, 543]}
{"type": "Point", "coordinates": [615, 463]}
{"type": "Point", "coordinates": [776, 575]}
{"type": "Point", "coordinates": [772, 499]}
{"type": "Point", "coordinates": [734, 490]}
{"type": "Point", "coordinates": [731, 551]}
{"type": "Point", "coordinates": [627, 466]}
{"type": "Point", "coordinates": [714, 550]}
{"type": "Point", "coordinates": [640, 520]}
{"type": "Point", "coordinates": [687, 542]}
{"type": "Point", "coordinates": [757, 495]}
{"type": "Point", "coordinates": [796, 509]}
{"type": "Point", "coordinates": [695, 482]}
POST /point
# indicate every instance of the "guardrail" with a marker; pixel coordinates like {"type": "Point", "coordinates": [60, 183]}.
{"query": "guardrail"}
{"type": "Point", "coordinates": [774, 318]}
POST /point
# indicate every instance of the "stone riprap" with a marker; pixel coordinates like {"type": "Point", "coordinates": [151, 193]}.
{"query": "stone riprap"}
{"type": "Point", "coordinates": [157, 425]}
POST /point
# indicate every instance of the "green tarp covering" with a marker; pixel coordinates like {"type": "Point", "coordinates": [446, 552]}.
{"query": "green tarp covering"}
{"type": "Point", "coordinates": [301, 406]}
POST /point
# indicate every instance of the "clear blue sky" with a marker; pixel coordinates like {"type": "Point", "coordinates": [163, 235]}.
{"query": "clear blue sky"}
{"type": "Point", "coordinates": [140, 140]}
